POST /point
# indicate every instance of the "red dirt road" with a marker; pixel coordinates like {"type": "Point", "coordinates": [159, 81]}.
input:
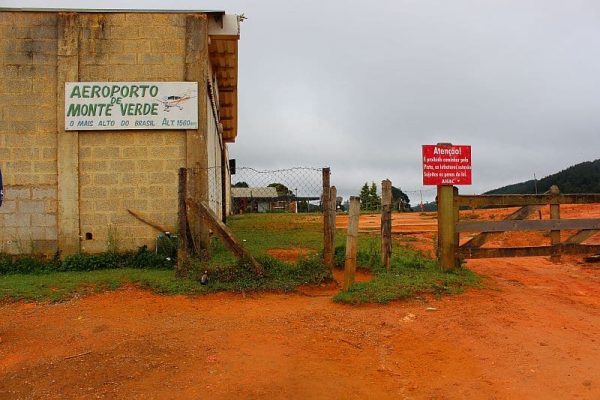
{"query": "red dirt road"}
{"type": "Point", "coordinates": [533, 332]}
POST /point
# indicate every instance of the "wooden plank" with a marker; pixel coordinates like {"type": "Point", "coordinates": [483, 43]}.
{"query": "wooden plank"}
{"type": "Point", "coordinates": [582, 236]}
{"type": "Point", "coordinates": [555, 215]}
{"type": "Point", "coordinates": [351, 242]}
{"type": "Point", "coordinates": [386, 223]}
{"type": "Point", "coordinates": [218, 227]}
{"type": "Point", "coordinates": [507, 200]}
{"type": "Point", "coordinates": [527, 225]}
{"type": "Point", "coordinates": [332, 213]}
{"type": "Point", "coordinates": [148, 221]}
{"type": "Point", "coordinates": [469, 253]}
{"type": "Point", "coordinates": [521, 213]}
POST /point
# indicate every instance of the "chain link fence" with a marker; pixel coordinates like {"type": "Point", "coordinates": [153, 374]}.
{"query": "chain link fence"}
{"type": "Point", "coordinates": [295, 189]}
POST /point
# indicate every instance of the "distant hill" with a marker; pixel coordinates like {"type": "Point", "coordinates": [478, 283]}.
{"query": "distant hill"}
{"type": "Point", "coordinates": [580, 178]}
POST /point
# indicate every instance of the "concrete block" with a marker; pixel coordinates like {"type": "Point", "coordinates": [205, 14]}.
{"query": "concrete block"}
{"type": "Point", "coordinates": [162, 177]}
{"type": "Point", "coordinates": [43, 193]}
{"type": "Point", "coordinates": [110, 152]}
{"type": "Point", "coordinates": [107, 205]}
{"type": "Point", "coordinates": [48, 167]}
{"type": "Point", "coordinates": [11, 193]}
{"type": "Point", "coordinates": [51, 233]}
{"type": "Point", "coordinates": [134, 152]}
{"type": "Point", "coordinates": [25, 153]}
{"type": "Point", "coordinates": [135, 204]}
{"type": "Point", "coordinates": [93, 166]}
{"type": "Point", "coordinates": [122, 165]}
{"type": "Point", "coordinates": [93, 193]}
{"type": "Point", "coordinates": [30, 233]}
{"type": "Point", "coordinates": [150, 165]}
{"type": "Point", "coordinates": [8, 207]}
{"type": "Point", "coordinates": [17, 220]}
{"type": "Point", "coordinates": [30, 206]}
{"type": "Point", "coordinates": [168, 152]}
{"type": "Point", "coordinates": [120, 192]}
{"type": "Point", "coordinates": [149, 192]}
{"type": "Point", "coordinates": [106, 179]}
{"type": "Point", "coordinates": [133, 179]}
{"type": "Point", "coordinates": [94, 220]}
{"type": "Point", "coordinates": [7, 234]}
{"type": "Point", "coordinates": [120, 59]}
{"type": "Point", "coordinates": [91, 139]}
{"type": "Point", "coordinates": [43, 220]}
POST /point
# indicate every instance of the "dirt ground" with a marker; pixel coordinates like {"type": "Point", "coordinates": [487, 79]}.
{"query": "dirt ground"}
{"type": "Point", "coordinates": [532, 331]}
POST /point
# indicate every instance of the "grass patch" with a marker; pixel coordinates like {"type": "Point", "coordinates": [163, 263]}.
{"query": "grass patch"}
{"type": "Point", "coordinates": [410, 274]}
{"type": "Point", "coordinates": [60, 286]}
{"type": "Point", "coordinates": [261, 232]}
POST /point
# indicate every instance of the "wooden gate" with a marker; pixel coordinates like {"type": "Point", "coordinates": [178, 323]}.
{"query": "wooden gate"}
{"type": "Point", "coordinates": [450, 252]}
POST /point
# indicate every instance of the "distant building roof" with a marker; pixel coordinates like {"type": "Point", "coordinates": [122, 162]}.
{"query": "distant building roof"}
{"type": "Point", "coordinates": [254, 193]}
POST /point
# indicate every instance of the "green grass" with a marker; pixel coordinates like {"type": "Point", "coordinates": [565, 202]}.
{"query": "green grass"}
{"type": "Point", "coordinates": [57, 286]}
{"type": "Point", "coordinates": [411, 272]}
{"type": "Point", "coordinates": [260, 232]}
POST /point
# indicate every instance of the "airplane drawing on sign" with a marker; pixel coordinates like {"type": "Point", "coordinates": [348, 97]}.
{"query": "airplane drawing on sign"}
{"type": "Point", "coordinates": [176, 100]}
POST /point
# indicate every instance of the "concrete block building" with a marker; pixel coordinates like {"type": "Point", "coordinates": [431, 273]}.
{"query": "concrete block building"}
{"type": "Point", "coordinates": [69, 188]}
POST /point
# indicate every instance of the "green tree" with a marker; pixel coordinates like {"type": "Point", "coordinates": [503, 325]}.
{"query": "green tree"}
{"type": "Point", "coordinates": [241, 184]}
{"type": "Point", "coordinates": [364, 196]}
{"type": "Point", "coordinates": [400, 200]}
{"type": "Point", "coordinates": [374, 199]}
{"type": "Point", "coordinates": [282, 190]}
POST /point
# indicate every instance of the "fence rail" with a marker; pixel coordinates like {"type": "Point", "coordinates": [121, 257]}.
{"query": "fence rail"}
{"type": "Point", "coordinates": [450, 252]}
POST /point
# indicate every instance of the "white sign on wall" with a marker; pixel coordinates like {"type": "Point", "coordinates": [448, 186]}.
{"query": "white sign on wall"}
{"type": "Point", "coordinates": [131, 105]}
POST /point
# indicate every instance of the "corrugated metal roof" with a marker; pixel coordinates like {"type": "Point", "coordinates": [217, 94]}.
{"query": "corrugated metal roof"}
{"type": "Point", "coordinates": [255, 193]}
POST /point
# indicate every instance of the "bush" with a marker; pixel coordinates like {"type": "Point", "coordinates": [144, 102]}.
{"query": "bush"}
{"type": "Point", "coordinates": [142, 258]}
{"type": "Point", "coordinates": [277, 275]}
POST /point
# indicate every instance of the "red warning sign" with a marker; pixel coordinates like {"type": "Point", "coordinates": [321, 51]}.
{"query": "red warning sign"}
{"type": "Point", "coordinates": [446, 164]}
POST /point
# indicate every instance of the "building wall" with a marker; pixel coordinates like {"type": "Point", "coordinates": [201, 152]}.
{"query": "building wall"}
{"type": "Point", "coordinates": [28, 132]}
{"type": "Point", "coordinates": [107, 172]}
{"type": "Point", "coordinates": [135, 169]}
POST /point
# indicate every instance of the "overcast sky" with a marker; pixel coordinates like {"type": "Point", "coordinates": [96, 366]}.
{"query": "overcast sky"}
{"type": "Point", "coordinates": [360, 86]}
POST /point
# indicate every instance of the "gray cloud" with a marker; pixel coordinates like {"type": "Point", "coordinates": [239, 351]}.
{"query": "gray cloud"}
{"type": "Point", "coordinates": [361, 86]}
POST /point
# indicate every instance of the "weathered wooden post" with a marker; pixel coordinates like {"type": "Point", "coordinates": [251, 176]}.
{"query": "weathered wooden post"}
{"type": "Point", "coordinates": [386, 223]}
{"type": "Point", "coordinates": [182, 223]}
{"type": "Point", "coordinates": [446, 227]}
{"type": "Point", "coordinates": [555, 214]}
{"type": "Point", "coordinates": [327, 242]}
{"type": "Point", "coordinates": [332, 214]}
{"type": "Point", "coordinates": [351, 242]}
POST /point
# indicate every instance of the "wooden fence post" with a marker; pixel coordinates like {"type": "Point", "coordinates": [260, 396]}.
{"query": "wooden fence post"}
{"type": "Point", "coordinates": [555, 214]}
{"type": "Point", "coordinates": [351, 242]}
{"type": "Point", "coordinates": [332, 214]}
{"type": "Point", "coordinates": [446, 227]}
{"type": "Point", "coordinates": [386, 223]}
{"type": "Point", "coordinates": [327, 229]}
{"type": "Point", "coordinates": [182, 224]}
